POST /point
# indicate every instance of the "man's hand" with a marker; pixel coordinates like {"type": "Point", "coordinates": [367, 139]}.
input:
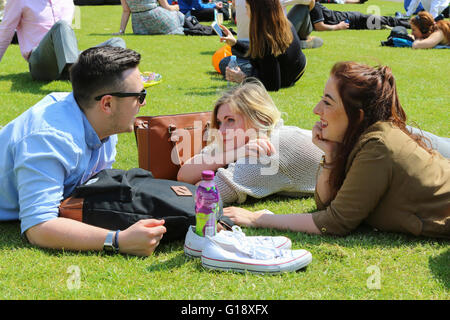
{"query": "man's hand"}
{"type": "Point", "coordinates": [62, 233]}
{"type": "Point", "coordinates": [342, 26]}
{"type": "Point", "coordinates": [142, 238]}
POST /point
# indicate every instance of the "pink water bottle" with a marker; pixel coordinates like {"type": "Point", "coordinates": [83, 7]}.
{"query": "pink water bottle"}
{"type": "Point", "coordinates": [206, 205]}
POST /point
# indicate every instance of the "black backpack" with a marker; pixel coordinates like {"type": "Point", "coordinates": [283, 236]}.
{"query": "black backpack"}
{"type": "Point", "coordinates": [397, 32]}
{"type": "Point", "coordinates": [116, 199]}
{"type": "Point", "coordinates": [194, 28]}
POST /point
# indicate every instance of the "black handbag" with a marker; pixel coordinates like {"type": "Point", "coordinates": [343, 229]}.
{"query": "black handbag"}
{"type": "Point", "coordinates": [116, 199]}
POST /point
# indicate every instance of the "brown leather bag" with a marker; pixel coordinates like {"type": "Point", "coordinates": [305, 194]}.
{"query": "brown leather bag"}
{"type": "Point", "coordinates": [166, 142]}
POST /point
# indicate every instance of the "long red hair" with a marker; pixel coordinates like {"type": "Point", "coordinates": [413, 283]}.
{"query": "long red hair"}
{"type": "Point", "coordinates": [374, 91]}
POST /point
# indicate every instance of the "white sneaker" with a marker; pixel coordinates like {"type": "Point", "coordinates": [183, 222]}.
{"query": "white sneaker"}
{"type": "Point", "coordinates": [222, 254]}
{"type": "Point", "coordinates": [194, 244]}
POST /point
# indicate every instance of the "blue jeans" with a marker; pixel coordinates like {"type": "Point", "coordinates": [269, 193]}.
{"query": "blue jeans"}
{"type": "Point", "coordinates": [243, 63]}
{"type": "Point", "coordinates": [440, 144]}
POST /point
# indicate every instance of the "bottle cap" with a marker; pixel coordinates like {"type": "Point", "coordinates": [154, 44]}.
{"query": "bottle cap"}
{"type": "Point", "coordinates": [233, 58]}
{"type": "Point", "coordinates": [207, 175]}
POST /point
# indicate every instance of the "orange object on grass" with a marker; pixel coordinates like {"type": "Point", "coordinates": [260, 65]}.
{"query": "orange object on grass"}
{"type": "Point", "coordinates": [223, 52]}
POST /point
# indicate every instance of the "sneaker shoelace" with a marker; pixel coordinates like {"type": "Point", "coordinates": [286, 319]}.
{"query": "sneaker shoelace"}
{"type": "Point", "coordinates": [253, 250]}
{"type": "Point", "coordinates": [238, 234]}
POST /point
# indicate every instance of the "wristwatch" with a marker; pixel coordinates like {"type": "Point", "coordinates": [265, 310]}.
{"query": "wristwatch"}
{"type": "Point", "coordinates": [110, 245]}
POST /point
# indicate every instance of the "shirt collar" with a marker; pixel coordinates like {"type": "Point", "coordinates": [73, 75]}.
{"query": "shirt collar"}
{"type": "Point", "coordinates": [90, 136]}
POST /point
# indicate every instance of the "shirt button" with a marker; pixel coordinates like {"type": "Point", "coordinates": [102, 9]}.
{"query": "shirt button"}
{"type": "Point", "coordinates": [323, 230]}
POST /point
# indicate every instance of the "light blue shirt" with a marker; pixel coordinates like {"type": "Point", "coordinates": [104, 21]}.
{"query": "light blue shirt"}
{"type": "Point", "coordinates": [45, 153]}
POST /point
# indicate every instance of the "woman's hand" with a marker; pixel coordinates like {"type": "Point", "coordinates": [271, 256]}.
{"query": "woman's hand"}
{"type": "Point", "coordinates": [257, 148]}
{"type": "Point", "coordinates": [234, 75]}
{"type": "Point", "coordinates": [174, 7]}
{"type": "Point", "coordinates": [241, 217]}
{"type": "Point", "coordinates": [227, 36]}
{"type": "Point", "coordinates": [328, 147]}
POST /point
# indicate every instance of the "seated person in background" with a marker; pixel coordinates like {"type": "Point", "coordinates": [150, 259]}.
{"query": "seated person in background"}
{"type": "Point", "coordinates": [427, 33]}
{"type": "Point", "coordinates": [274, 54]}
{"type": "Point", "coordinates": [203, 11]}
{"type": "Point", "coordinates": [374, 170]}
{"type": "Point", "coordinates": [324, 19]}
{"type": "Point", "coordinates": [253, 153]}
{"type": "Point", "coordinates": [45, 36]}
{"type": "Point", "coordinates": [298, 16]}
{"type": "Point", "coordinates": [434, 7]}
{"type": "Point", "coordinates": [55, 146]}
{"type": "Point", "coordinates": [151, 17]}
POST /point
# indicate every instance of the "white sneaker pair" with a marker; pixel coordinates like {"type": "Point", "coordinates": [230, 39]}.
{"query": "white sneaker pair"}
{"type": "Point", "coordinates": [232, 250]}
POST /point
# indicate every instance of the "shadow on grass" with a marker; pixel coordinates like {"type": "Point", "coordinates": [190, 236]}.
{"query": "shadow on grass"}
{"type": "Point", "coordinates": [22, 82]}
{"type": "Point", "coordinates": [440, 267]}
{"type": "Point", "coordinates": [209, 91]}
{"type": "Point", "coordinates": [166, 264]}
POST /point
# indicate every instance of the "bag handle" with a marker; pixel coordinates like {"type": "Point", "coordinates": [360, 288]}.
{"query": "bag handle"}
{"type": "Point", "coordinates": [178, 155]}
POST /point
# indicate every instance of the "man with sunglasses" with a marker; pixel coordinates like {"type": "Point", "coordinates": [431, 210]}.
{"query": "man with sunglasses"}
{"type": "Point", "coordinates": [64, 140]}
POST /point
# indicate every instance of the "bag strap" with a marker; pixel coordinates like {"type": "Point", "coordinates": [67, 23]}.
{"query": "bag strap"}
{"type": "Point", "coordinates": [179, 155]}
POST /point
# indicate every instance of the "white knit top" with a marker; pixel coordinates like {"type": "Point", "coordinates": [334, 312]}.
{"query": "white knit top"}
{"type": "Point", "coordinates": [291, 171]}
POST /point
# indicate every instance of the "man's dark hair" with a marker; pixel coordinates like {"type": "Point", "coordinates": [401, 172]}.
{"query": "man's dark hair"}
{"type": "Point", "coordinates": [99, 70]}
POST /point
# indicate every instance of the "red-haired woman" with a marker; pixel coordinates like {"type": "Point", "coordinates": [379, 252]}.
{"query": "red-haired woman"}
{"type": "Point", "coordinates": [374, 170]}
{"type": "Point", "coordinates": [428, 33]}
{"type": "Point", "coordinates": [274, 51]}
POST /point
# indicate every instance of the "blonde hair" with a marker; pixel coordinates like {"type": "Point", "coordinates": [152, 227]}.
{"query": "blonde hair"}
{"type": "Point", "coordinates": [251, 100]}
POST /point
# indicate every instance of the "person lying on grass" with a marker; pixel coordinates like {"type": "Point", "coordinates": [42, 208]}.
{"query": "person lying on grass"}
{"type": "Point", "coordinates": [55, 146]}
{"type": "Point", "coordinates": [252, 152]}
{"type": "Point", "coordinates": [324, 19]}
{"type": "Point", "coordinates": [374, 170]}
{"type": "Point", "coordinates": [427, 33]}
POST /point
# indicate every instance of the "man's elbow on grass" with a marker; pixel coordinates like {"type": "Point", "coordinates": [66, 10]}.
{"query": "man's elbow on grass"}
{"type": "Point", "coordinates": [33, 236]}
{"type": "Point", "coordinates": [41, 234]}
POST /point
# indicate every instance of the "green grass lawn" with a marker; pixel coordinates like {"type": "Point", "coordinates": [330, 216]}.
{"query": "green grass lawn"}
{"type": "Point", "coordinates": [407, 267]}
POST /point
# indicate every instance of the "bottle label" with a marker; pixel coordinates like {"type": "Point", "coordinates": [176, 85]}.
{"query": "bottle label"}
{"type": "Point", "coordinates": [206, 223]}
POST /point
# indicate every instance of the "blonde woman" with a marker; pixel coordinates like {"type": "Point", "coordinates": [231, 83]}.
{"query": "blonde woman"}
{"type": "Point", "coordinates": [251, 150]}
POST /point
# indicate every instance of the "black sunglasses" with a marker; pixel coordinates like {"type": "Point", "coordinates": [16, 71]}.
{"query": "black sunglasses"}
{"type": "Point", "coordinates": [141, 95]}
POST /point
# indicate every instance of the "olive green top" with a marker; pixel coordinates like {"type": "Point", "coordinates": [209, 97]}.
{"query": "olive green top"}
{"type": "Point", "coordinates": [391, 184]}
